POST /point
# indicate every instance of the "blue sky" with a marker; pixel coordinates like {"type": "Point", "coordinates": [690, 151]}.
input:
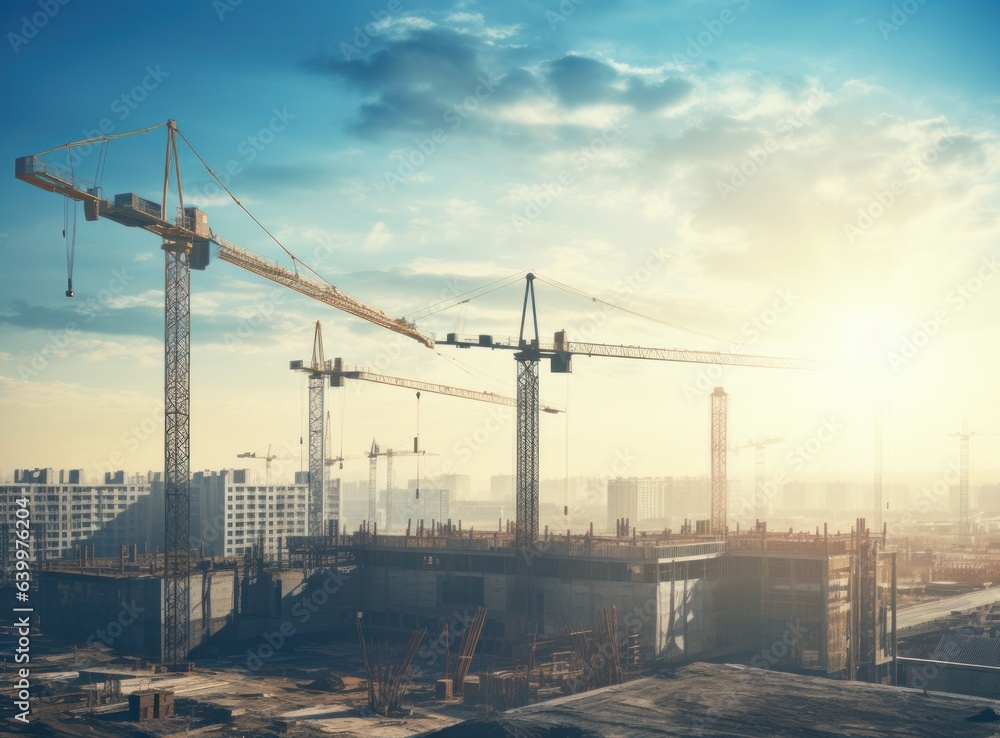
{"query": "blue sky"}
{"type": "Point", "coordinates": [411, 151]}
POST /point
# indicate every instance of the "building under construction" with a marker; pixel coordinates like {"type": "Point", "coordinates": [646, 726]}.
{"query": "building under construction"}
{"type": "Point", "coordinates": [821, 604]}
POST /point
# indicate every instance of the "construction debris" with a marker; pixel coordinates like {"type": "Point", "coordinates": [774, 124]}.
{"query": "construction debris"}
{"type": "Point", "coordinates": [329, 683]}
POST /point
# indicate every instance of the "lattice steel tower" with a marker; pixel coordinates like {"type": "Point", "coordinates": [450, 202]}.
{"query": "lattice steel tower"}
{"type": "Point", "coordinates": [963, 478]}
{"type": "Point", "coordinates": [177, 429]}
{"type": "Point", "coordinates": [318, 370]}
{"type": "Point", "coordinates": [719, 401]}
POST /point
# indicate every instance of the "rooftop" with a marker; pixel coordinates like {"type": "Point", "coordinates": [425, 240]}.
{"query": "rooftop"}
{"type": "Point", "coordinates": [731, 700]}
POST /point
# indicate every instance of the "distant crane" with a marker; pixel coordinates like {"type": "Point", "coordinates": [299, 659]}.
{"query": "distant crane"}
{"type": "Point", "coordinates": [268, 458]}
{"type": "Point", "coordinates": [964, 528]}
{"type": "Point", "coordinates": [186, 242]}
{"type": "Point", "coordinates": [529, 352]}
{"type": "Point", "coordinates": [374, 452]}
{"type": "Point", "coordinates": [758, 489]}
{"type": "Point", "coordinates": [318, 369]}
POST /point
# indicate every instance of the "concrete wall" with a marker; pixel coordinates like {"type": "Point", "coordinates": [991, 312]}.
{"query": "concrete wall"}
{"type": "Point", "coordinates": [211, 604]}
{"type": "Point", "coordinates": [122, 613]}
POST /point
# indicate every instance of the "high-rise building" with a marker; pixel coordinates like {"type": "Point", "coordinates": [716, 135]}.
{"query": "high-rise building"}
{"type": "Point", "coordinates": [229, 514]}
{"type": "Point", "coordinates": [988, 498]}
{"type": "Point", "coordinates": [502, 490]}
{"type": "Point", "coordinates": [433, 504]}
{"type": "Point", "coordinates": [800, 496]}
{"type": "Point", "coordinates": [71, 512]}
{"type": "Point", "coordinates": [639, 499]}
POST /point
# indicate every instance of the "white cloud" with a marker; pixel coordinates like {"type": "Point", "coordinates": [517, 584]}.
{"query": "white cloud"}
{"type": "Point", "coordinates": [377, 238]}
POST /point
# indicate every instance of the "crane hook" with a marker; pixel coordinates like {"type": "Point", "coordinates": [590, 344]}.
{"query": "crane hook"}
{"type": "Point", "coordinates": [69, 287]}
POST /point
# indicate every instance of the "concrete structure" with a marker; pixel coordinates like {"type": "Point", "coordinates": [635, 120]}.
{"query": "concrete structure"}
{"type": "Point", "coordinates": [781, 600]}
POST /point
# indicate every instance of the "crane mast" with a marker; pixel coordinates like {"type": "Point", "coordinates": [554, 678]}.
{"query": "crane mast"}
{"type": "Point", "coordinates": [317, 370]}
{"type": "Point", "coordinates": [759, 445]}
{"type": "Point", "coordinates": [389, 453]}
{"type": "Point", "coordinates": [177, 428]}
{"type": "Point", "coordinates": [186, 242]}
{"type": "Point", "coordinates": [529, 351]}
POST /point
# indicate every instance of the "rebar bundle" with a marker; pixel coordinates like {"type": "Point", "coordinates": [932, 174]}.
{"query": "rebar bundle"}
{"type": "Point", "coordinates": [504, 690]}
{"type": "Point", "coordinates": [598, 652]}
{"type": "Point", "coordinates": [388, 671]}
{"type": "Point", "coordinates": [467, 649]}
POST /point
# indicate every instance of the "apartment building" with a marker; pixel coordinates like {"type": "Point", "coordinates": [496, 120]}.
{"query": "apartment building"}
{"type": "Point", "coordinates": [67, 511]}
{"type": "Point", "coordinates": [229, 512]}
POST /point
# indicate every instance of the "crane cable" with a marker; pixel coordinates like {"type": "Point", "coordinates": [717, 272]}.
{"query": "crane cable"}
{"type": "Point", "coordinates": [69, 233]}
{"type": "Point", "coordinates": [454, 300]}
{"type": "Point", "coordinates": [416, 445]}
{"type": "Point", "coordinates": [295, 260]}
{"type": "Point", "coordinates": [472, 372]}
{"type": "Point", "coordinates": [101, 139]}
{"type": "Point", "coordinates": [592, 298]}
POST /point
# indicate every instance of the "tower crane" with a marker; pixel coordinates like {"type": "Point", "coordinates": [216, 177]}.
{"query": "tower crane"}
{"type": "Point", "coordinates": [758, 445]}
{"type": "Point", "coordinates": [317, 370]}
{"type": "Point", "coordinates": [529, 351]}
{"type": "Point", "coordinates": [963, 476]}
{"type": "Point", "coordinates": [374, 452]}
{"type": "Point", "coordinates": [186, 241]}
{"type": "Point", "coordinates": [268, 458]}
